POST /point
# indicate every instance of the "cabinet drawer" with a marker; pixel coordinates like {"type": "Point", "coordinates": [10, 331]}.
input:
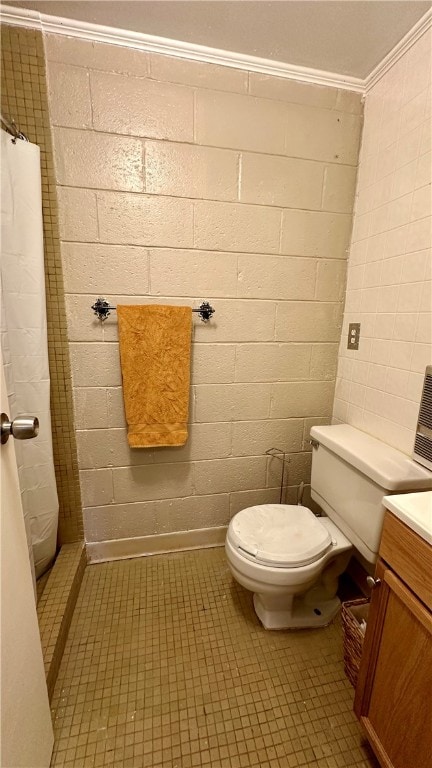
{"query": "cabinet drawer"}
{"type": "Point", "coordinates": [409, 556]}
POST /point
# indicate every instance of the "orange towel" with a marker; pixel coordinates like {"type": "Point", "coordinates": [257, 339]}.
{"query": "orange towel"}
{"type": "Point", "coordinates": [155, 346]}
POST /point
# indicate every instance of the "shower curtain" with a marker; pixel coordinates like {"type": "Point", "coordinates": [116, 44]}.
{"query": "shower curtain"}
{"type": "Point", "coordinates": [24, 340]}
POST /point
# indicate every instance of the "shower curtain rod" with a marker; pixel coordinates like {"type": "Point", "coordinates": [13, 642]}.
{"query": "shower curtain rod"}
{"type": "Point", "coordinates": [10, 127]}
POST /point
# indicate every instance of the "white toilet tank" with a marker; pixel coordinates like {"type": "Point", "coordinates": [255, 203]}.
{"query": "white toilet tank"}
{"type": "Point", "coordinates": [351, 472]}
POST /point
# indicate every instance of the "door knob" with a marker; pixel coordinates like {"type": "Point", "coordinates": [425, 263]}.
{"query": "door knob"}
{"type": "Point", "coordinates": [22, 428]}
{"type": "Point", "coordinates": [372, 582]}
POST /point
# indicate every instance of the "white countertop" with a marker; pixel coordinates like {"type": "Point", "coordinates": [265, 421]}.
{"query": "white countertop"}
{"type": "Point", "coordinates": [415, 510]}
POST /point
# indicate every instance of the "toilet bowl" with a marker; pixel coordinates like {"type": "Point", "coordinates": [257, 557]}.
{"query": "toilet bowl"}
{"type": "Point", "coordinates": [291, 561]}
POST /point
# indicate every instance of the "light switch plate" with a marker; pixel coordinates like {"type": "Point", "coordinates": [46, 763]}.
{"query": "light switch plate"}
{"type": "Point", "coordinates": [353, 336]}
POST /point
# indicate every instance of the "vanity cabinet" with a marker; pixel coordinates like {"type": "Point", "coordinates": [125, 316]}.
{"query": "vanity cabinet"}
{"type": "Point", "coordinates": [393, 698]}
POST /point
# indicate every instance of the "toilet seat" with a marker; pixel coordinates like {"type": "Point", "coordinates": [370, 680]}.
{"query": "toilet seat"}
{"type": "Point", "coordinates": [279, 535]}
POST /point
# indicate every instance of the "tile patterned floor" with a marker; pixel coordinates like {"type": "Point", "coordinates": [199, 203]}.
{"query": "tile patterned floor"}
{"type": "Point", "coordinates": [56, 605]}
{"type": "Point", "coordinates": [167, 666]}
{"type": "Point", "coordinates": [41, 583]}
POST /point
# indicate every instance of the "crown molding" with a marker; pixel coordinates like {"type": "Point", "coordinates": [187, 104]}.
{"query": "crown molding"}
{"type": "Point", "coordinates": [23, 17]}
{"type": "Point", "coordinates": [399, 50]}
{"type": "Point", "coordinates": [56, 25]}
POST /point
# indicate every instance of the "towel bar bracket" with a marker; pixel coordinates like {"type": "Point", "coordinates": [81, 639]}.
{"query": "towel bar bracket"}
{"type": "Point", "coordinates": [102, 310]}
{"type": "Point", "coordinates": [205, 311]}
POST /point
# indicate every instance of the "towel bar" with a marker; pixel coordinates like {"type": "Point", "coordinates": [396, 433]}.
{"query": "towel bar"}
{"type": "Point", "coordinates": [102, 309]}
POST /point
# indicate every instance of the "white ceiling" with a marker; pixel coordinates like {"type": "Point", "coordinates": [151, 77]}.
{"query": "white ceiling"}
{"type": "Point", "coordinates": [348, 37]}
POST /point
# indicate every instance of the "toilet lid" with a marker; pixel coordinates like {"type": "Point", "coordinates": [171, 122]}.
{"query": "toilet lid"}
{"type": "Point", "coordinates": [280, 534]}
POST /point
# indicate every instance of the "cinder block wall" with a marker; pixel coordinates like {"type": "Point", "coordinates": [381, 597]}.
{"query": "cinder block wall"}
{"type": "Point", "coordinates": [390, 268]}
{"type": "Point", "coordinates": [181, 181]}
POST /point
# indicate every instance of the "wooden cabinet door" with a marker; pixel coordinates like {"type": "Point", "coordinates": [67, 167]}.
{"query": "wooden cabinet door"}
{"type": "Point", "coordinates": [394, 693]}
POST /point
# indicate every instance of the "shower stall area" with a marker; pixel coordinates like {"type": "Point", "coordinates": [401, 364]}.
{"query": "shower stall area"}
{"type": "Point", "coordinates": [34, 352]}
{"type": "Point", "coordinates": [24, 339]}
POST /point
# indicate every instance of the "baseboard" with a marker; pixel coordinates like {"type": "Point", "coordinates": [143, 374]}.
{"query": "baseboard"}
{"type": "Point", "coordinates": [158, 544]}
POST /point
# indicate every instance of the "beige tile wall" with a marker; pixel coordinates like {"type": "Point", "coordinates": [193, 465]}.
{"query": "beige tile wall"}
{"type": "Point", "coordinates": [390, 267]}
{"type": "Point", "coordinates": [181, 181]}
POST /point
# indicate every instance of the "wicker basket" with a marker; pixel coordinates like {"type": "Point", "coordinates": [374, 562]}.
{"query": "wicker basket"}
{"type": "Point", "coordinates": [353, 612]}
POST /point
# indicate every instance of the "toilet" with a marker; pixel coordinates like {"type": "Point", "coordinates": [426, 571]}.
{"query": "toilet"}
{"type": "Point", "coordinates": [291, 559]}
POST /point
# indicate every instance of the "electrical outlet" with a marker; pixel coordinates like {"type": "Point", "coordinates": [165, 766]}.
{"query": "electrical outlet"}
{"type": "Point", "coordinates": [353, 336]}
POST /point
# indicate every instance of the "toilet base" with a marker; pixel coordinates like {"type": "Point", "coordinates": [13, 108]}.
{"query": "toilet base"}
{"type": "Point", "coordinates": [304, 612]}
